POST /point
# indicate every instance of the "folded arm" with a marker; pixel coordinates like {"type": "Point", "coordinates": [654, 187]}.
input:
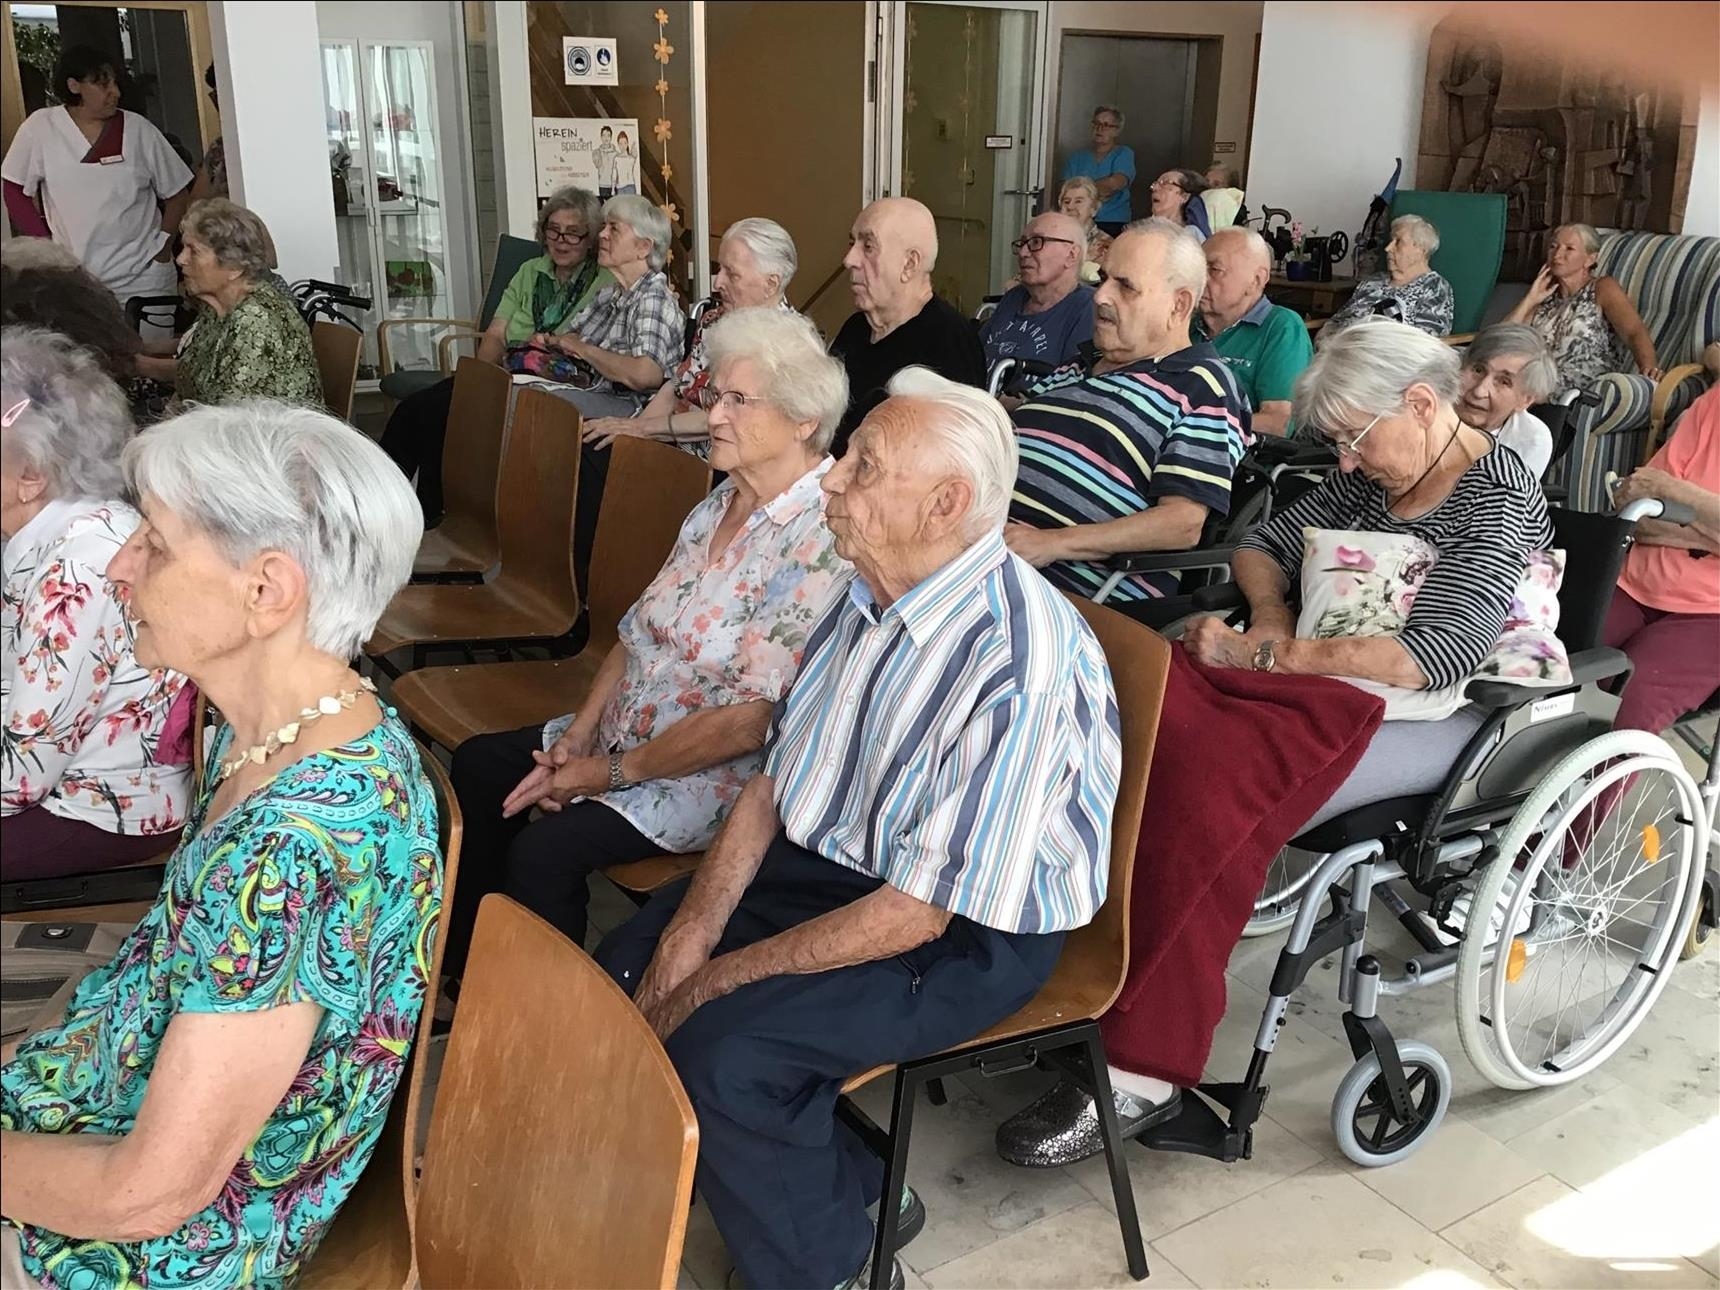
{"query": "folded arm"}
{"type": "Point", "coordinates": [1171, 524]}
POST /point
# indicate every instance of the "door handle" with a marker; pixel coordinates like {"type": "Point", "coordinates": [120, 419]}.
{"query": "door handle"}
{"type": "Point", "coordinates": [1021, 192]}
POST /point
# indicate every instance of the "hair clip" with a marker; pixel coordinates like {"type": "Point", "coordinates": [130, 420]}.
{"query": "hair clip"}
{"type": "Point", "coordinates": [12, 413]}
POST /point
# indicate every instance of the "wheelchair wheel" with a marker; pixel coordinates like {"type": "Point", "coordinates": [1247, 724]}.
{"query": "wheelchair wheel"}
{"type": "Point", "coordinates": [1367, 1129]}
{"type": "Point", "coordinates": [1281, 893]}
{"type": "Point", "coordinates": [1696, 940]}
{"type": "Point", "coordinates": [1590, 899]}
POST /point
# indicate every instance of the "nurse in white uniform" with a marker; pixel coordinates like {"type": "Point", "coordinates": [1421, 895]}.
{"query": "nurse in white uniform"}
{"type": "Point", "coordinates": [101, 181]}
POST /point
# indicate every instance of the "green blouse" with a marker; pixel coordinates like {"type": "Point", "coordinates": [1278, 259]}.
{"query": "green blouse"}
{"type": "Point", "coordinates": [261, 349]}
{"type": "Point", "coordinates": [534, 301]}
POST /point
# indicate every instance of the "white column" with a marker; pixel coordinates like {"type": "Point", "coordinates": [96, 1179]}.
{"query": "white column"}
{"type": "Point", "coordinates": [268, 67]}
{"type": "Point", "coordinates": [511, 106]}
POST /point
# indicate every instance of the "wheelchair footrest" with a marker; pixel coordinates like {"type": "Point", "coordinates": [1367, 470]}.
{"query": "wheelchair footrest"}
{"type": "Point", "coordinates": [1199, 1130]}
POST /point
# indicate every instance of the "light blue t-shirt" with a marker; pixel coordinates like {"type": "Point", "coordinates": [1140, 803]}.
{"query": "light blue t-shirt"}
{"type": "Point", "coordinates": [1049, 337]}
{"type": "Point", "coordinates": [1119, 161]}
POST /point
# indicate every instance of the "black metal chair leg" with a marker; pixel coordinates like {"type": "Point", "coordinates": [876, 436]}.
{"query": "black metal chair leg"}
{"type": "Point", "coordinates": [935, 1092]}
{"type": "Point", "coordinates": [895, 1177]}
{"type": "Point", "coordinates": [1112, 1132]}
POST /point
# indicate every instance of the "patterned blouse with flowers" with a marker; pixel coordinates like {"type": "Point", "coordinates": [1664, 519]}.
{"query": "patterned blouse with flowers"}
{"type": "Point", "coordinates": [712, 632]}
{"type": "Point", "coordinates": [83, 721]}
{"type": "Point", "coordinates": [323, 886]}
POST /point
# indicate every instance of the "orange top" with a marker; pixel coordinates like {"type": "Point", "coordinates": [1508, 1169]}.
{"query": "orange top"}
{"type": "Point", "coordinates": [1665, 577]}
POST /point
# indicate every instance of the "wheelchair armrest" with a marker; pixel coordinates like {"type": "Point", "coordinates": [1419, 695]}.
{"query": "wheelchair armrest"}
{"type": "Point", "coordinates": [1587, 667]}
{"type": "Point", "coordinates": [1219, 598]}
{"type": "Point", "coordinates": [1200, 557]}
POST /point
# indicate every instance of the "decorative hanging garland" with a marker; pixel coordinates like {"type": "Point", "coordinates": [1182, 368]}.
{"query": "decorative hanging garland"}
{"type": "Point", "coordinates": [663, 51]}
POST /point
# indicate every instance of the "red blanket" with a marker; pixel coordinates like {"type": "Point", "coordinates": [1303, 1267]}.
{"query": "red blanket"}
{"type": "Point", "coordinates": [1243, 760]}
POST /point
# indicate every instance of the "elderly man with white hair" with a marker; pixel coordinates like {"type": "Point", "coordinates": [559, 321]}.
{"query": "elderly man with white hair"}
{"type": "Point", "coordinates": [1265, 345]}
{"type": "Point", "coordinates": [898, 320]}
{"type": "Point", "coordinates": [1134, 454]}
{"type": "Point", "coordinates": [1048, 315]}
{"type": "Point", "coordinates": [932, 817]}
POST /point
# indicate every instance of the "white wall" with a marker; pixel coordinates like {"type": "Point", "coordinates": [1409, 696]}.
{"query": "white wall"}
{"type": "Point", "coordinates": [1338, 97]}
{"type": "Point", "coordinates": [1702, 211]}
{"type": "Point", "coordinates": [268, 68]}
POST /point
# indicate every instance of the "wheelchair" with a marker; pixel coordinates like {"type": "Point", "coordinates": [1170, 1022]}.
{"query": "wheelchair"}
{"type": "Point", "coordinates": [1563, 861]}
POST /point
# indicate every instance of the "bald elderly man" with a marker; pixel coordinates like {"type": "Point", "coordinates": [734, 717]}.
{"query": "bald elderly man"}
{"type": "Point", "coordinates": [934, 814]}
{"type": "Point", "coordinates": [1266, 346]}
{"type": "Point", "coordinates": [1048, 315]}
{"type": "Point", "coordinates": [899, 321]}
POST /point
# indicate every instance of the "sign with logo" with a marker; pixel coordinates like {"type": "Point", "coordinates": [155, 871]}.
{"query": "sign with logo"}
{"type": "Point", "coordinates": [597, 153]}
{"type": "Point", "coordinates": [589, 60]}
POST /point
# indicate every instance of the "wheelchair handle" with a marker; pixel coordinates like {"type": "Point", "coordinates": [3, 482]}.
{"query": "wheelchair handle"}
{"type": "Point", "coordinates": [1657, 508]}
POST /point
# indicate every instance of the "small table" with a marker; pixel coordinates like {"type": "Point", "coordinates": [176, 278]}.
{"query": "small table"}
{"type": "Point", "coordinates": [1310, 299]}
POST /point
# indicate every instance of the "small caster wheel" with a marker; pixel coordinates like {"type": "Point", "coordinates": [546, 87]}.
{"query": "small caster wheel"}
{"type": "Point", "coordinates": [1701, 928]}
{"type": "Point", "coordinates": [1367, 1129]}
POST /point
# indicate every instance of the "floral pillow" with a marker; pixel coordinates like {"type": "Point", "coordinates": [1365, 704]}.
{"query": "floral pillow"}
{"type": "Point", "coordinates": [1365, 584]}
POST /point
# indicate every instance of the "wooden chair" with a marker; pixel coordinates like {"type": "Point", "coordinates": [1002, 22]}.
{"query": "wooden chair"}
{"type": "Point", "coordinates": [533, 598]}
{"type": "Point", "coordinates": [650, 490]}
{"type": "Point", "coordinates": [465, 546]}
{"type": "Point", "coordinates": [544, 1169]}
{"type": "Point", "coordinates": [337, 347]}
{"type": "Point", "coordinates": [370, 1241]}
{"type": "Point", "coordinates": [1087, 979]}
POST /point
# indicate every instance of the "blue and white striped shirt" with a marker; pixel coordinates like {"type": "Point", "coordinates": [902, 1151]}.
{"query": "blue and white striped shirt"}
{"type": "Point", "coordinates": [963, 745]}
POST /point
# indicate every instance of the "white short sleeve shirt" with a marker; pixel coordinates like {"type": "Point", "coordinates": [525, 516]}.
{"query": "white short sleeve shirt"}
{"type": "Point", "coordinates": [104, 211]}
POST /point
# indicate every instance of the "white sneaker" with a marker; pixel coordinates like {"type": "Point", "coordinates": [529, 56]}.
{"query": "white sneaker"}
{"type": "Point", "coordinates": [1457, 921]}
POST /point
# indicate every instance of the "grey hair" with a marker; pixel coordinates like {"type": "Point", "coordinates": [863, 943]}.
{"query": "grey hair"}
{"type": "Point", "coordinates": [976, 437]}
{"type": "Point", "coordinates": [77, 420]}
{"type": "Point", "coordinates": [582, 201]}
{"type": "Point", "coordinates": [263, 476]}
{"type": "Point", "coordinates": [1229, 176]}
{"type": "Point", "coordinates": [798, 376]}
{"type": "Point", "coordinates": [1185, 262]}
{"type": "Point", "coordinates": [1423, 234]}
{"type": "Point", "coordinates": [1114, 111]}
{"type": "Point", "coordinates": [771, 247]}
{"type": "Point", "coordinates": [238, 237]}
{"type": "Point", "coordinates": [1083, 184]}
{"type": "Point", "coordinates": [1586, 234]}
{"type": "Point", "coordinates": [642, 216]}
{"type": "Point", "coordinates": [1539, 375]}
{"type": "Point", "coordinates": [25, 253]}
{"type": "Point", "coordinates": [1364, 370]}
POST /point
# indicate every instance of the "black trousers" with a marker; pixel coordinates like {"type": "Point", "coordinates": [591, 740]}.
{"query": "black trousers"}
{"type": "Point", "coordinates": [414, 436]}
{"type": "Point", "coordinates": [787, 1183]}
{"type": "Point", "coordinates": [543, 863]}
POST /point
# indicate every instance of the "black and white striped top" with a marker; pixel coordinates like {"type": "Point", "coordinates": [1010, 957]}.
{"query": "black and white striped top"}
{"type": "Point", "coordinates": [1484, 532]}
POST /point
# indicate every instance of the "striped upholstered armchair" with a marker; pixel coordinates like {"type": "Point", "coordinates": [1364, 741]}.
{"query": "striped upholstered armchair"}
{"type": "Point", "coordinates": [1675, 282]}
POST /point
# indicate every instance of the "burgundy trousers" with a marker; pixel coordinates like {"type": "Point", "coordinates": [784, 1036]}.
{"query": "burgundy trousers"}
{"type": "Point", "coordinates": [36, 843]}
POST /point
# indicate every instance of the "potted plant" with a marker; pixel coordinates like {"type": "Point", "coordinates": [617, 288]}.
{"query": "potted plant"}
{"type": "Point", "coordinates": [1297, 265]}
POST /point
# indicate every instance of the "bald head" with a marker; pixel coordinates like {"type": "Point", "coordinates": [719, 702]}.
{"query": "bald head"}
{"type": "Point", "coordinates": [1238, 264]}
{"type": "Point", "coordinates": [1048, 256]}
{"type": "Point", "coordinates": [892, 249]}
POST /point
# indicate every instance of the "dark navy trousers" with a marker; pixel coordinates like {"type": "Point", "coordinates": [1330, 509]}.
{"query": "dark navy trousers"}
{"type": "Point", "coordinates": [787, 1183]}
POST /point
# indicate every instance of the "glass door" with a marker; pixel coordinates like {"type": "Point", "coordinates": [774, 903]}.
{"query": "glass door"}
{"type": "Point", "coordinates": [966, 103]}
{"type": "Point", "coordinates": [349, 169]}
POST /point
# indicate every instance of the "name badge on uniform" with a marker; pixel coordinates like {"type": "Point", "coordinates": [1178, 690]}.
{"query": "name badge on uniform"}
{"type": "Point", "coordinates": [111, 161]}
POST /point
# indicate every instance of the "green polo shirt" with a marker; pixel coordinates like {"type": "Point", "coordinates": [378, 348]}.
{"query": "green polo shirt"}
{"type": "Point", "coordinates": [1266, 349]}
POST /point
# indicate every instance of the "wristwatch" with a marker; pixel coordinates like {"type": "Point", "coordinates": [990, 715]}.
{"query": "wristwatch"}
{"type": "Point", "coordinates": [1266, 657]}
{"type": "Point", "coordinates": [617, 781]}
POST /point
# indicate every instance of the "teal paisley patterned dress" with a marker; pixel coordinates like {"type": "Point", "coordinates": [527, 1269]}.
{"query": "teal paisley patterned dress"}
{"type": "Point", "coordinates": [323, 886]}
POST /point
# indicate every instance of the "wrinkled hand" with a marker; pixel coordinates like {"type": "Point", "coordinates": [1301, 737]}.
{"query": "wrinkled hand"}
{"type": "Point", "coordinates": [1217, 644]}
{"type": "Point", "coordinates": [665, 1012]}
{"type": "Point", "coordinates": [1031, 544]}
{"type": "Point", "coordinates": [560, 776]}
{"type": "Point", "coordinates": [1645, 481]}
{"type": "Point", "coordinates": [1543, 286]}
{"type": "Point", "coordinates": [600, 432]}
{"type": "Point", "coordinates": [566, 342]}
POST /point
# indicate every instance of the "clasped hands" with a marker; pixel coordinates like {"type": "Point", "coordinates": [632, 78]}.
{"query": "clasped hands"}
{"type": "Point", "coordinates": [1216, 643]}
{"type": "Point", "coordinates": [571, 768]}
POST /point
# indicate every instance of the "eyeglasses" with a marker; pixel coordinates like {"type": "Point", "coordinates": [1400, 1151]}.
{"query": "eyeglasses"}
{"type": "Point", "coordinates": [710, 398]}
{"type": "Point", "coordinates": [1162, 182]}
{"type": "Point", "coordinates": [1036, 243]}
{"type": "Point", "coordinates": [1352, 447]}
{"type": "Point", "coordinates": [1102, 124]}
{"type": "Point", "coordinates": [553, 234]}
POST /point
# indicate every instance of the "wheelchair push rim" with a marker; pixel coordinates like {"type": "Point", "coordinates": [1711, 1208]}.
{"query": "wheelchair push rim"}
{"type": "Point", "coordinates": [1595, 880]}
{"type": "Point", "coordinates": [1281, 892]}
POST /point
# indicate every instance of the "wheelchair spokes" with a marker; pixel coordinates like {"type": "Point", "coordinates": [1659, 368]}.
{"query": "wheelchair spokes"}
{"type": "Point", "coordinates": [1281, 893]}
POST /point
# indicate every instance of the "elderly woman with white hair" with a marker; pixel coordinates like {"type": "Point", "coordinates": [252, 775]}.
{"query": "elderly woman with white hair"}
{"type": "Point", "coordinates": [1409, 291]}
{"type": "Point", "coordinates": [1507, 369]}
{"type": "Point", "coordinates": [934, 814]}
{"type": "Point", "coordinates": [248, 341]}
{"type": "Point", "coordinates": [85, 783]}
{"type": "Point", "coordinates": [674, 721]}
{"type": "Point", "coordinates": [755, 263]}
{"type": "Point", "coordinates": [1585, 317]}
{"type": "Point", "coordinates": [210, 1097]}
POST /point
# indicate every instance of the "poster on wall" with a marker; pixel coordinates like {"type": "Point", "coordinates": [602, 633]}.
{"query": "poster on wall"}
{"type": "Point", "coordinates": [589, 60]}
{"type": "Point", "coordinates": [599, 153]}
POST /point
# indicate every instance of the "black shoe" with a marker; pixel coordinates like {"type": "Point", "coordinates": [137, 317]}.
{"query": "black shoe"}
{"type": "Point", "coordinates": [859, 1281]}
{"type": "Point", "coordinates": [913, 1217]}
{"type": "Point", "coordinates": [1062, 1126]}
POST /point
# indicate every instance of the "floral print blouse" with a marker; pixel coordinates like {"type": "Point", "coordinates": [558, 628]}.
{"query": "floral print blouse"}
{"type": "Point", "coordinates": [323, 887]}
{"type": "Point", "coordinates": [1425, 303]}
{"type": "Point", "coordinates": [709, 632]}
{"type": "Point", "coordinates": [83, 721]}
{"type": "Point", "coordinates": [261, 348]}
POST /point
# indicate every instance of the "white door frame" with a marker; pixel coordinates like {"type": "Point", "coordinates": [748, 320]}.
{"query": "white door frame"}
{"type": "Point", "coordinates": [890, 58]}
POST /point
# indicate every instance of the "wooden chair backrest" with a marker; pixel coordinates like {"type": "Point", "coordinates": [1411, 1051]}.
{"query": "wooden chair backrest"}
{"type": "Point", "coordinates": [336, 346]}
{"type": "Point", "coordinates": [561, 1145]}
{"type": "Point", "coordinates": [1140, 661]}
{"type": "Point", "coordinates": [370, 1241]}
{"type": "Point", "coordinates": [535, 500]}
{"type": "Point", "coordinates": [649, 492]}
{"type": "Point", "coordinates": [472, 450]}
